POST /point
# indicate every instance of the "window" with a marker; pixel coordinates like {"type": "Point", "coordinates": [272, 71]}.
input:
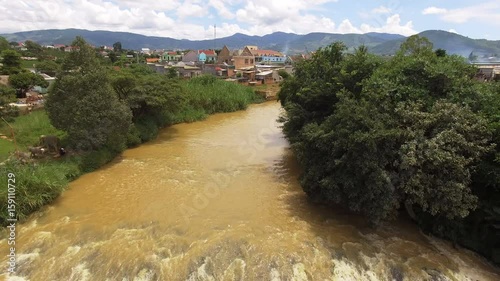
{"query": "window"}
{"type": "Point", "coordinates": [246, 61]}
{"type": "Point", "coordinates": [251, 60]}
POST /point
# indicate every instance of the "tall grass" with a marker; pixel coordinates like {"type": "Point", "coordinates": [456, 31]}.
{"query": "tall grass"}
{"type": "Point", "coordinates": [29, 128]}
{"type": "Point", "coordinates": [207, 95]}
{"type": "Point", "coordinates": [36, 184]}
{"type": "Point", "coordinates": [6, 147]}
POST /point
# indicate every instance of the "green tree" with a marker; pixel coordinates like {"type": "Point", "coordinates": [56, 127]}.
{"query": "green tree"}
{"type": "Point", "coordinates": [113, 57]}
{"type": "Point", "coordinates": [377, 137]}
{"type": "Point", "coordinates": [11, 62]}
{"type": "Point", "coordinates": [7, 95]}
{"type": "Point", "coordinates": [83, 103]}
{"type": "Point", "coordinates": [34, 48]}
{"type": "Point", "coordinates": [83, 58]}
{"type": "Point", "coordinates": [148, 94]}
{"type": "Point", "coordinates": [48, 67]}
{"type": "Point", "coordinates": [4, 44]}
{"type": "Point", "coordinates": [25, 81]}
{"type": "Point", "coordinates": [117, 47]}
{"type": "Point", "coordinates": [285, 75]}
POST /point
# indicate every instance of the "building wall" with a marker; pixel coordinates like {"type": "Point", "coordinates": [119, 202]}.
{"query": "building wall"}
{"type": "Point", "coordinates": [190, 56]}
{"type": "Point", "coordinates": [243, 61]}
{"type": "Point", "coordinates": [271, 59]}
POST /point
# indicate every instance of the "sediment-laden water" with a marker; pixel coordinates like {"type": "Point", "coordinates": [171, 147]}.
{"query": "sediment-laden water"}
{"type": "Point", "coordinates": [219, 200]}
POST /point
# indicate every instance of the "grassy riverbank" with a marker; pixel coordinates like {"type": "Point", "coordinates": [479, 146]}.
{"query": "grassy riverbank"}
{"type": "Point", "coordinates": [41, 182]}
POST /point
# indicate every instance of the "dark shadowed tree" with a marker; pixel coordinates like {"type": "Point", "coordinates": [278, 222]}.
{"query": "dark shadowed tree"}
{"type": "Point", "coordinates": [117, 47]}
{"type": "Point", "coordinates": [11, 62]}
{"type": "Point", "coordinates": [7, 95]}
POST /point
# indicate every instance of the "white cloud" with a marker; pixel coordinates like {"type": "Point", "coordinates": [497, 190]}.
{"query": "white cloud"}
{"type": "Point", "coordinates": [392, 25]}
{"type": "Point", "coordinates": [453, 31]}
{"type": "Point", "coordinates": [434, 11]}
{"type": "Point", "coordinates": [194, 19]}
{"type": "Point", "coordinates": [487, 12]}
{"type": "Point", "coordinates": [381, 10]}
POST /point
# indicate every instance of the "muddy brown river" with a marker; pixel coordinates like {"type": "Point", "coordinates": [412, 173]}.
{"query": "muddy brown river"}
{"type": "Point", "coordinates": [220, 200]}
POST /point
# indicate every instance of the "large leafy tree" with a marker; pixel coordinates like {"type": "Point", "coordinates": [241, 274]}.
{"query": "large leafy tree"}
{"type": "Point", "coordinates": [11, 62]}
{"type": "Point", "coordinates": [25, 81]}
{"type": "Point", "coordinates": [83, 103]}
{"type": "Point", "coordinates": [4, 44]}
{"type": "Point", "coordinates": [376, 137]}
{"type": "Point", "coordinates": [149, 94]}
{"type": "Point", "coordinates": [7, 95]}
{"type": "Point", "coordinates": [48, 67]}
{"type": "Point", "coordinates": [34, 48]}
{"type": "Point", "coordinates": [117, 47]}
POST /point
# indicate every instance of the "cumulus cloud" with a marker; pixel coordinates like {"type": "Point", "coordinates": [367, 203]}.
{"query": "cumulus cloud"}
{"type": "Point", "coordinates": [192, 19]}
{"type": "Point", "coordinates": [381, 10]}
{"type": "Point", "coordinates": [434, 11]}
{"type": "Point", "coordinates": [392, 25]}
{"type": "Point", "coordinates": [486, 12]}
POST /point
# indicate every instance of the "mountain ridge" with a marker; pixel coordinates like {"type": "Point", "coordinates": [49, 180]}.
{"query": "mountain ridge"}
{"type": "Point", "coordinates": [290, 43]}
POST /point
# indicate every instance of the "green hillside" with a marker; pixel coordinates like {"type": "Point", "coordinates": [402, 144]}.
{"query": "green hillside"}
{"type": "Point", "coordinates": [378, 43]}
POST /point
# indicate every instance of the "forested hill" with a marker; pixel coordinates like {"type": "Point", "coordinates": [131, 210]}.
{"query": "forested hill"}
{"type": "Point", "coordinates": [290, 43]}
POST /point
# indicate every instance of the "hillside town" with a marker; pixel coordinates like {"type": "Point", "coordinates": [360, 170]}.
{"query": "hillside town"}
{"type": "Point", "coordinates": [249, 65]}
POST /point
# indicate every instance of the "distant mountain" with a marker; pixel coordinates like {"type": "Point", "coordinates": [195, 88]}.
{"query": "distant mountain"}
{"type": "Point", "coordinates": [451, 42]}
{"type": "Point", "coordinates": [378, 43]}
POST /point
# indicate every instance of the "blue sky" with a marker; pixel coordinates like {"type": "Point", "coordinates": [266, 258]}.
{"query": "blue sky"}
{"type": "Point", "coordinates": [194, 19]}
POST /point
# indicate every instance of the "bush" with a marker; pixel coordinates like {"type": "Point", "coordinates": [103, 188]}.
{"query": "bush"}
{"type": "Point", "coordinates": [36, 185]}
{"type": "Point", "coordinates": [93, 160]}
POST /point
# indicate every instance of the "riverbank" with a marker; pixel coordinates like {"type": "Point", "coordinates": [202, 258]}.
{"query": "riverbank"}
{"type": "Point", "coordinates": [220, 200]}
{"type": "Point", "coordinates": [40, 182]}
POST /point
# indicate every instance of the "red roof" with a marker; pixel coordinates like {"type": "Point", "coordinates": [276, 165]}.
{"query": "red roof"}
{"type": "Point", "coordinates": [152, 59]}
{"type": "Point", "coordinates": [207, 52]}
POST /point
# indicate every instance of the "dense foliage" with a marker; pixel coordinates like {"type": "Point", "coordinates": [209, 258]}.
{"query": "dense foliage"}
{"type": "Point", "coordinates": [11, 62]}
{"type": "Point", "coordinates": [7, 95]}
{"type": "Point", "coordinates": [414, 133]}
{"type": "Point", "coordinates": [83, 103]}
{"type": "Point", "coordinates": [25, 81]}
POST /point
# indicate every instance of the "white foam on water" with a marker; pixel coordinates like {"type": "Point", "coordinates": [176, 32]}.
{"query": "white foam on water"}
{"type": "Point", "coordinates": [299, 272]}
{"type": "Point", "coordinates": [274, 275]}
{"type": "Point", "coordinates": [15, 278]}
{"type": "Point", "coordinates": [236, 270]}
{"type": "Point", "coordinates": [80, 273]}
{"type": "Point", "coordinates": [344, 270]}
{"type": "Point", "coordinates": [73, 250]}
{"type": "Point", "coordinates": [144, 275]}
{"type": "Point", "coordinates": [201, 273]}
{"type": "Point", "coordinates": [21, 258]}
{"type": "Point", "coordinates": [27, 226]}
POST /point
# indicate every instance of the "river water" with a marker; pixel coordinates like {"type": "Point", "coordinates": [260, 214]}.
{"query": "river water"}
{"type": "Point", "coordinates": [220, 200]}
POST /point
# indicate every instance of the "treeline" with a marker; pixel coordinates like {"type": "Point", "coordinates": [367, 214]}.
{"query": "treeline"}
{"type": "Point", "coordinates": [416, 133]}
{"type": "Point", "coordinates": [100, 111]}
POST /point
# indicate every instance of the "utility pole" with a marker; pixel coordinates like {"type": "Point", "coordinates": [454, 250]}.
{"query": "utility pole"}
{"type": "Point", "coordinates": [215, 34]}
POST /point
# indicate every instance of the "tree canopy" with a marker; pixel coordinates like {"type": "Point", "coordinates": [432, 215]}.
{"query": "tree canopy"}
{"type": "Point", "coordinates": [25, 81]}
{"type": "Point", "coordinates": [377, 137]}
{"type": "Point", "coordinates": [83, 103]}
{"type": "Point", "coordinates": [11, 62]}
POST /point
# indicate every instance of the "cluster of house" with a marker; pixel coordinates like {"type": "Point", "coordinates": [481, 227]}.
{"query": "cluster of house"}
{"type": "Point", "coordinates": [487, 71]}
{"type": "Point", "coordinates": [249, 63]}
